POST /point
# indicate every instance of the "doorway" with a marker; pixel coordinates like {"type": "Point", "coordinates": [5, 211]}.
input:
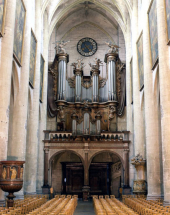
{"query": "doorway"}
{"type": "Point", "coordinates": [105, 174]}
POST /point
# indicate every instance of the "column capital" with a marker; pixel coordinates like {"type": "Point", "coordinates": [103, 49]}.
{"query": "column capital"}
{"type": "Point", "coordinates": [46, 150]}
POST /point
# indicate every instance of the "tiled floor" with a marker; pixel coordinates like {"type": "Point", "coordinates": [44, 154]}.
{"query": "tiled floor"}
{"type": "Point", "coordinates": [84, 208]}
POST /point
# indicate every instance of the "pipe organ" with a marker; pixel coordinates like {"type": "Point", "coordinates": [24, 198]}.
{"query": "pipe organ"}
{"type": "Point", "coordinates": [86, 105]}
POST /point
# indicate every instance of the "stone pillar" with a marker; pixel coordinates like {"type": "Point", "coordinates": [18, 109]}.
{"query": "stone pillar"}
{"type": "Point", "coordinates": [152, 129]}
{"type": "Point", "coordinates": [126, 158]}
{"type": "Point", "coordinates": [126, 187]}
{"type": "Point", "coordinates": [45, 188]}
{"type": "Point", "coordinates": [139, 186]}
{"type": "Point", "coordinates": [129, 106]}
{"type": "Point", "coordinates": [17, 143]}
{"type": "Point", "coordinates": [33, 116]}
{"type": "Point", "coordinates": [5, 79]}
{"type": "Point", "coordinates": [43, 109]}
{"type": "Point", "coordinates": [139, 139]}
{"type": "Point", "coordinates": [164, 77]}
{"type": "Point", "coordinates": [86, 187]}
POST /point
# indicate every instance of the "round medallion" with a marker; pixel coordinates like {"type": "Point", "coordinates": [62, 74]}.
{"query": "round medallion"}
{"type": "Point", "coordinates": [87, 47]}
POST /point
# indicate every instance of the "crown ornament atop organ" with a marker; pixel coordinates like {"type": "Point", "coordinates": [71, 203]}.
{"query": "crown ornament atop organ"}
{"type": "Point", "coordinates": [86, 105]}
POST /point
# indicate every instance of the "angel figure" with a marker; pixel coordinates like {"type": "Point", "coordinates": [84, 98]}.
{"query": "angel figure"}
{"type": "Point", "coordinates": [79, 63]}
{"type": "Point", "coordinates": [4, 173]}
{"type": "Point", "coordinates": [113, 48]}
{"type": "Point", "coordinates": [97, 64]}
{"type": "Point", "coordinates": [59, 47]}
{"type": "Point", "coordinates": [74, 65]}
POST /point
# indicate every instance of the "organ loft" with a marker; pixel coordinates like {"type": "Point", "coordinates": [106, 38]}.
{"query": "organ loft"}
{"type": "Point", "coordinates": [86, 121]}
{"type": "Point", "coordinates": [85, 106]}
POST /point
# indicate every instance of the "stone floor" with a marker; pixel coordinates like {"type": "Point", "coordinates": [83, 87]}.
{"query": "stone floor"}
{"type": "Point", "coordinates": [84, 208]}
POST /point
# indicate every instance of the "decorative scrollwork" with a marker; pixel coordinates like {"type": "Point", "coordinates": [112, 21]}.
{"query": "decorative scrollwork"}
{"type": "Point", "coordinates": [54, 74]}
{"type": "Point", "coordinates": [71, 82]}
{"type": "Point", "coordinates": [102, 82]}
{"type": "Point", "coordinates": [117, 167]}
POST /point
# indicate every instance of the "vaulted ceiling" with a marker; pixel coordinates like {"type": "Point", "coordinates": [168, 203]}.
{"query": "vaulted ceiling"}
{"type": "Point", "coordinates": [115, 11]}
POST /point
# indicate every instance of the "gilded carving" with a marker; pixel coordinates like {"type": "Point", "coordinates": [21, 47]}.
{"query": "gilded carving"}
{"type": "Point", "coordinates": [54, 74]}
{"type": "Point", "coordinates": [21, 173]}
{"type": "Point", "coordinates": [86, 84]}
{"type": "Point", "coordinates": [102, 82]}
{"type": "Point", "coordinates": [59, 47]}
{"type": "Point", "coordinates": [71, 82]}
{"type": "Point", "coordinates": [79, 65]}
{"type": "Point", "coordinates": [139, 186]}
{"type": "Point", "coordinates": [4, 173]}
{"type": "Point", "coordinates": [138, 160]}
{"type": "Point", "coordinates": [117, 167]}
{"type": "Point", "coordinates": [112, 111]}
{"type": "Point", "coordinates": [97, 64]}
{"type": "Point", "coordinates": [61, 113]}
{"type": "Point", "coordinates": [14, 173]}
{"type": "Point", "coordinates": [113, 48]}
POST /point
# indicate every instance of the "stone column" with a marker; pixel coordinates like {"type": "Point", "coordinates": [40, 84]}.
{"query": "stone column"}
{"type": "Point", "coordinates": [43, 109]}
{"type": "Point", "coordinates": [126, 158]}
{"type": "Point", "coordinates": [139, 186]}
{"type": "Point", "coordinates": [45, 188]}
{"type": "Point", "coordinates": [5, 79]}
{"type": "Point", "coordinates": [129, 106]}
{"type": "Point", "coordinates": [33, 117]}
{"type": "Point", "coordinates": [152, 129]}
{"type": "Point", "coordinates": [86, 187]}
{"type": "Point", "coordinates": [164, 77]}
{"type": "Point", "coordinates": [138, 113]}
{"type": "Point", "coordinates": [17, 143]}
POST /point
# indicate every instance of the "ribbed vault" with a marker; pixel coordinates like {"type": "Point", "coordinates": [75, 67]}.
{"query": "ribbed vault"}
{"type": "Point", "coordinates": [116, 11]}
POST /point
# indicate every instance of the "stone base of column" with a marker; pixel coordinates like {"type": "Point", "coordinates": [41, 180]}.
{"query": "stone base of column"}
{"type": "Point", "coordinates": [86, 190]}
{"type": "Point", "coordinates": [154, 197]}
{"type": "Point", "coordinates": [2, 203]}
{"type": "Point", "coordinates": [46, 189]}
{"type": "Point", "coordinates": [127, 190]}
{"type": "Point", "coordinates": [166, 203]}
{"type": "Point", "coordinates": [139, 187]}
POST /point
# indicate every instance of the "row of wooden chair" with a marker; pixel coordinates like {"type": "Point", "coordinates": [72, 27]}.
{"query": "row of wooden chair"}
{"type": "Point", "coordinates": [110, 206]}
{"type": "Point", "coordinates": [143, 206]}
{"type": "Point", "coordinates": [61, 205]}
{"type": "Point", "coordinates": [24, 206]}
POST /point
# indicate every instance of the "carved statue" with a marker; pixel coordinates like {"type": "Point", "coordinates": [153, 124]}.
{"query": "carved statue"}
{"type": "Point", "coordinates": [74, 65]}
{"type": "Point", "coordinates": [21, 173]}
{"type": "Point", "coordinates": [96, 66]}
{"type": "Point", "coordinates": [4, 173]}
{"type": "Point", "coordinates": [14, 173]}
{"type": "Point", "coordinates": [113, 48]}
{"type": "Point", "coordinates": [59, 47]}
{"type": "Point", "coordinates": [79, 65]}
{"type": "Point", "coordinates": [61, 113]}
{"type": "Point", "coordinates": [86, 103]}
{"type": "Point", "coordinates": [111, 112]}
